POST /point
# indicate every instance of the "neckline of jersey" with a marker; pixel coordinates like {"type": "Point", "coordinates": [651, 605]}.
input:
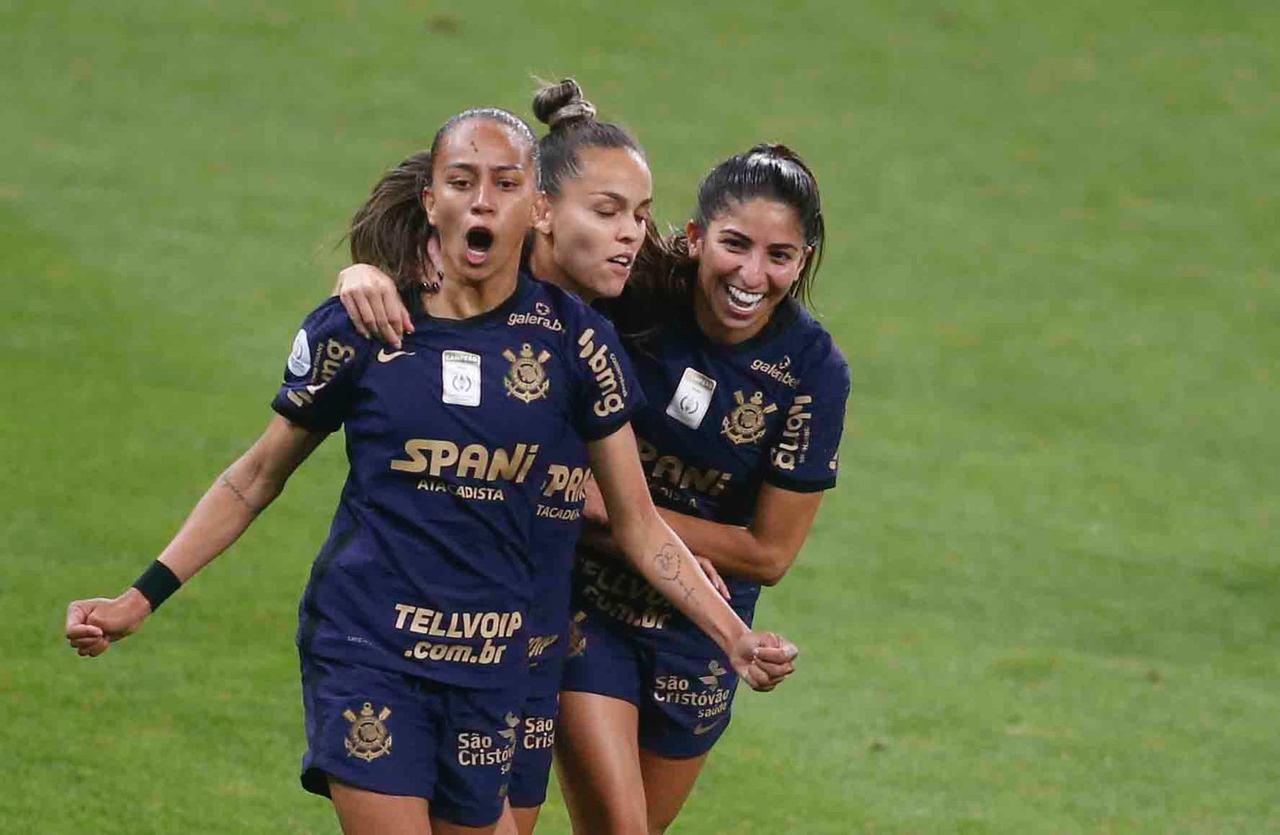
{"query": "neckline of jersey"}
{"type": "Point", "coordinates": [524, 284]}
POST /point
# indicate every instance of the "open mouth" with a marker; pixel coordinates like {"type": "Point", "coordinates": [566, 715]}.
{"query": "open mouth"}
{"type": "Point", "coordinates": [479, 241]}
{"type": "Point", "coordinates": [742, 301]}
{"type": "Point", "coordinates": [622, 261]}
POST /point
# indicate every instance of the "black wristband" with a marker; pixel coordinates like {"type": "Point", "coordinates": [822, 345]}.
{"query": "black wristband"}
{"type": "Point", "coordinates": [157, 583]}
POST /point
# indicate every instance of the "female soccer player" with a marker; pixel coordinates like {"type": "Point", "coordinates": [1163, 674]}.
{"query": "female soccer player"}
{"type": "Point", "coordinates": [599, 191]}
{"type": "Point", "coordinates": [745, 408]}
{"type": "Point", "coordinates": [413, 624]}
{"type": "Point", "coordinates": [746, 397]}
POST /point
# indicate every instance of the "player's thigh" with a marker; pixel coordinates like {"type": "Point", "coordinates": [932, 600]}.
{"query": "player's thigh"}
{"type": "Point", "coordinates": [598, 760]}
{"type": "Point", "coordinates": [667, 784]}
{"type": "Point", "coordinates": [363, 812]}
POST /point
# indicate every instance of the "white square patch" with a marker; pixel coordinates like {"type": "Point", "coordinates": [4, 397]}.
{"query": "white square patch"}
{"type": "Point", "coordinates": [460, 378]}
{"type": "Point", "coordinates": [692, 398]}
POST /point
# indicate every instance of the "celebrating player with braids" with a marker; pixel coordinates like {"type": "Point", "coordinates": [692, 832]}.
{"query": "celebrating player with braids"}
{"type": "Point", "coordinates": [415, 621]}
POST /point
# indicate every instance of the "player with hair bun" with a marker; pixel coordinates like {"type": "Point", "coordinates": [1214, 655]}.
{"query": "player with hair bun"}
{"type": "Point", "coordinates": [598, 195]}
{"type": "Point", "coordinates": [415, 621]}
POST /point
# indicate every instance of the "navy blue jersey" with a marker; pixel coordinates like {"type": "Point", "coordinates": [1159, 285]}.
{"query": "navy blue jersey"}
{"type": "Point", "coordinates": [721, 420]}
{"type": "Point", "coordinates": [428, 568]}
{"type": "Point", "coordinates": [557, 523]}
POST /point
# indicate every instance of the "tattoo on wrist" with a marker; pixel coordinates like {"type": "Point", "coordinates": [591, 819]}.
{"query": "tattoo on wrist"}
{"type": "Point", "coordinates": [236, 491]}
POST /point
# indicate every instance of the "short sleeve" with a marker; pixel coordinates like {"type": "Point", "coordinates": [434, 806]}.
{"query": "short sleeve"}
{"type": "Point", "coordinates": [319, 375]}
{"type": "Point", "coordinates": [804, 456]}
{"type": "Point", "coordinates": [608, 392]}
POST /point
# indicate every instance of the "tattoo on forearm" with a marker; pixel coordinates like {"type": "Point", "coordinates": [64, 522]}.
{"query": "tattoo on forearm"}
{"type": "Point", "coordinates": [667, 562]}
{"type": "Point", "coordinates": [236, 491]}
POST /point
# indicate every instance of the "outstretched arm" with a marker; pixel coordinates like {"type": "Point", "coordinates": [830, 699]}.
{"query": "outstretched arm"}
{"type": "Point", "coordinates": [658, 554]}
{"type": "Point", "coordinates": [227, 508]}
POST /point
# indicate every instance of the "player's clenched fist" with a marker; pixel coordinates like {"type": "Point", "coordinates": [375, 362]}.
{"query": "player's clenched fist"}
{"type": "Point", "coordinates": [764, 659]}
{"type": "Point", "coordinates": [93, 624]}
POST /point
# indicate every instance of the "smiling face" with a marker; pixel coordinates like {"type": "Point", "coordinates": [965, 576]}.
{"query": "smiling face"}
{"type": "Point", "coordinates": [482, 199]}
{"type": "Point", "coordinates": [595, 225]}
{"type": "Point", "coordinates": [748, 258]}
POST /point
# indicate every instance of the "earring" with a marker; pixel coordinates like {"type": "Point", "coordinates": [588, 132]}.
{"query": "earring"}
{"type": "Point", "coordinates": [431, 286]}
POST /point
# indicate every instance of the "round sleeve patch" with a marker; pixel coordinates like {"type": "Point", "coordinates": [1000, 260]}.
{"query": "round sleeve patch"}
{"type": "Point", "coordinates": [300, 356]}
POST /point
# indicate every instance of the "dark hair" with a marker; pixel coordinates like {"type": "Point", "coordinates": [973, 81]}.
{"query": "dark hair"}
{"type": "Point", "coordinates": [664, 272]}
{"type": "Point", "coordinates": [390, 231]}
{"type": "Point", "coordinates": [773, 172]}
{"type": "Point", "coordinates": [571, 127]}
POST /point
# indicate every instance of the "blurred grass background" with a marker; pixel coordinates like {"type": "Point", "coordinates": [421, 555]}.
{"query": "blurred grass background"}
{"type": "Point", "coordinates": [1045, 596]}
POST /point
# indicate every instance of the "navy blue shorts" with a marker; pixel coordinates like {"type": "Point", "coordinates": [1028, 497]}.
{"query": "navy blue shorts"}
{"type": "Point", "coordinates": [395, 734]}
{"type": "Point", "coordinates": [684, 701]}
{"type": "Point", "coordinates": [532, 766]}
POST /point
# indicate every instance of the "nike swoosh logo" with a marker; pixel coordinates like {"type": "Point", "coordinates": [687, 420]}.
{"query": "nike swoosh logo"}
{"type": "Point", "coordinates": [699, 730]}
{"type": "Point", "coordinates": [383, 356]}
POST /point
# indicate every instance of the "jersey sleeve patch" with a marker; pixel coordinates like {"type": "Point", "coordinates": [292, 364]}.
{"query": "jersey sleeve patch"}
{"type": "Point", "coordinates": [323, 362]}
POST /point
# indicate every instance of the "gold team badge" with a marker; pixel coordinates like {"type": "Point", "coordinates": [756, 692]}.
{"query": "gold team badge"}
{"type": "Point", "coordinates": [746, 424]}
{"type": "Point", "coordinates": [526, 380]}
{"type": "Point", "coordinates": [368, 738]}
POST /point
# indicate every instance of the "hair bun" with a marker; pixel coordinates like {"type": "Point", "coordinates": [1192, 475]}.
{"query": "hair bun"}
{"type": "Point", "coordinates": [560, 105]}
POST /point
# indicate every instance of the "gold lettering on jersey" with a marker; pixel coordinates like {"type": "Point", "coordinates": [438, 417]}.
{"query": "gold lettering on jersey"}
{"type": "Point", "coordinates": [463, 491]}
{"type": "Point", "coordinates": [526, 380]}
{"type": "Point", "coordinates": [746, 423]}
{"type": "Point", "coordinates": [777, 371]}
{"type": "Point", "coordinates": [476, 748]}
{"type": "Point", "coordinates": [425, 455]}
{"type": "Point", "coordinates": [368, 737]}
{"type": "Point", "coordinates": [495, 628]}
{"type": "Point", "coordinates": [567, 483]}
{"type": "Point", "coordinates": [711, 699]}
{"type": "Point", "coordinates": [794, 443]}
{"type": "Point", "coordinates": [608, 374]}
{"type": "Point", "coordinates": [571, 482]}
{"type": "Point", "coordinates": [559, 514]}
{"type": "Point", "coordinates": [539, 733]}
{"type": "Point", "coordinates": [330, 356]}
{"type": "Point", "coordinates": [540, 316]}
{"type": "Point", "coordinates": [678, 474]}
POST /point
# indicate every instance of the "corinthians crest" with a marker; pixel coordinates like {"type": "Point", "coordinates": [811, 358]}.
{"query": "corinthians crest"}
{"type": "Point", "coordinates": [526, 380]}
{"type": "Point", "coordinates": [746, 424]}
{"type": "Point", "coordinates": [368, 738]}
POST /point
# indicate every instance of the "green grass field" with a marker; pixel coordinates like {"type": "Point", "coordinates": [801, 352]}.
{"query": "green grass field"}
{"type": "Point", "coordinates": [1045, 597]}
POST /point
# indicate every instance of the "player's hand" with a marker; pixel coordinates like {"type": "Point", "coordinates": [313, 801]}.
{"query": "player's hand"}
{"type": "Point", "coordinates": [94, 624]}
{"type": "Point", "coordinates": [373, 303]}
{"type": "Point", "coordinates": [764, 659]}
{"type": "Point", "coordinates": [714, 576]}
